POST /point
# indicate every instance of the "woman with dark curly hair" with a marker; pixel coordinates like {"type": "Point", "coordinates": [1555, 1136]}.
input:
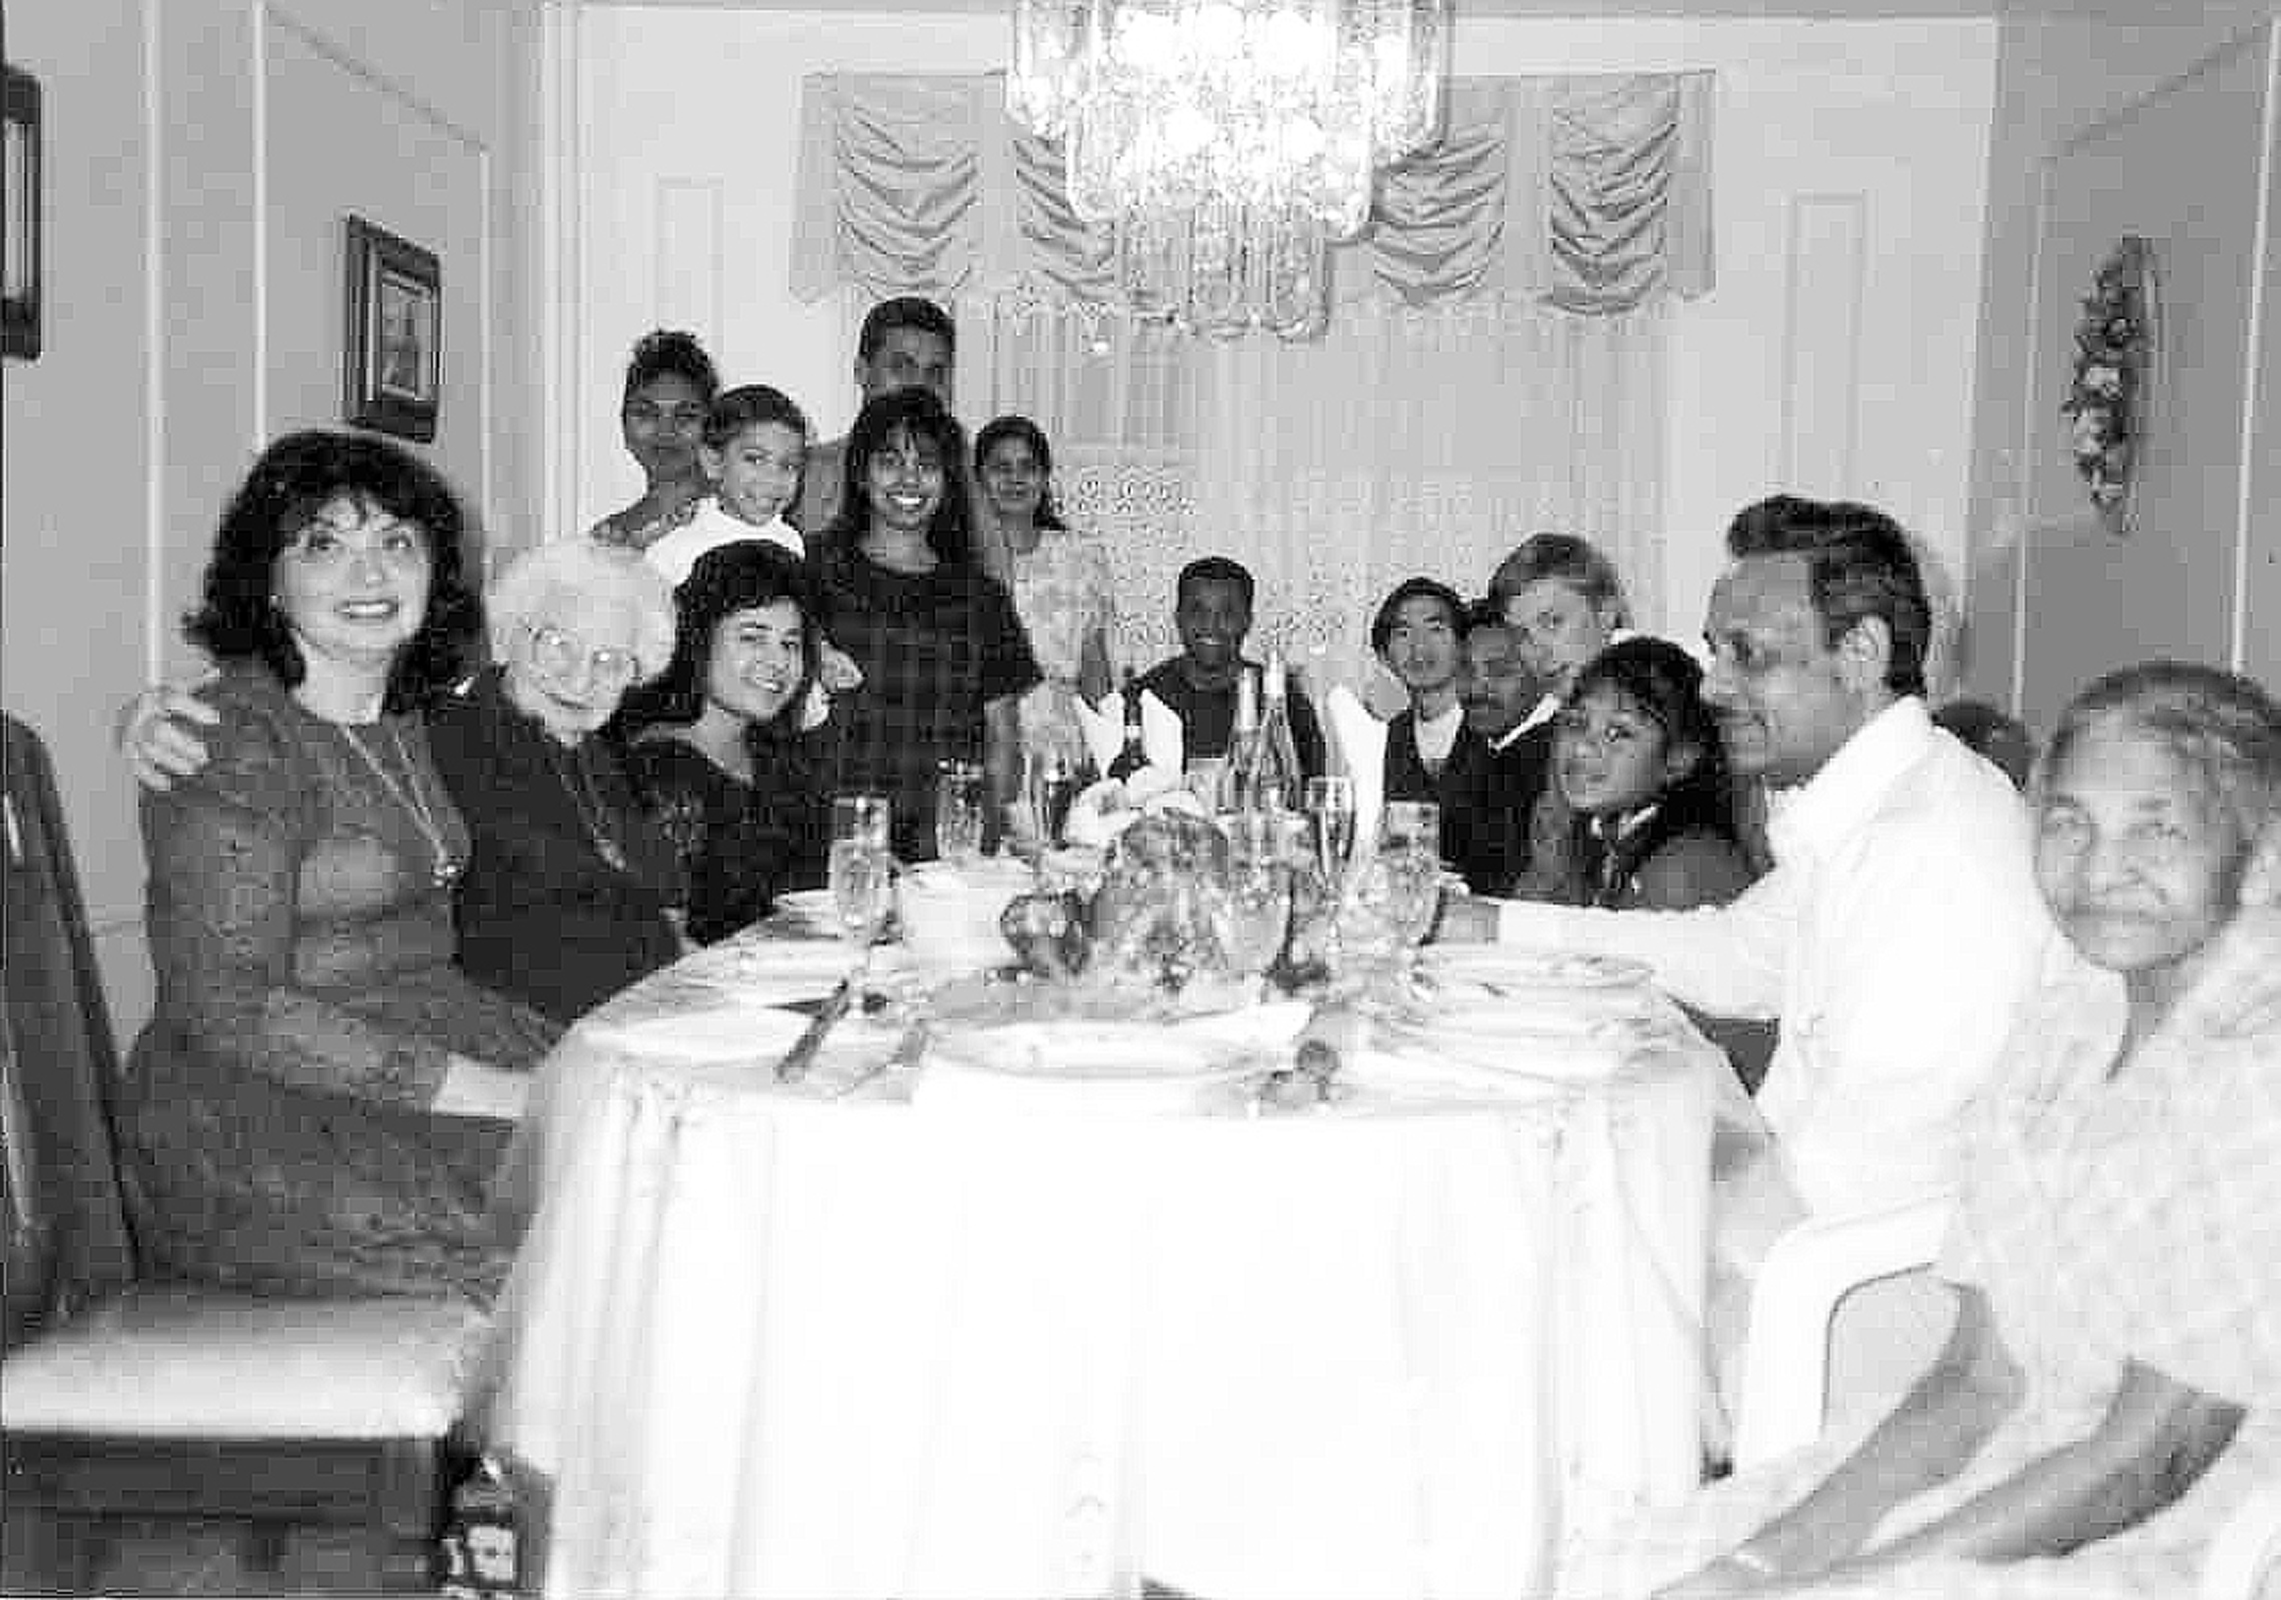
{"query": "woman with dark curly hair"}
{"type": "Point", "coordinates": [321, 1097]}
{"type": "Point", "coordinates": [670, 386]}
{"type": "Point", "coordinates": [945, 660]}
{"type": "Point", "coordinates": [718, 761]}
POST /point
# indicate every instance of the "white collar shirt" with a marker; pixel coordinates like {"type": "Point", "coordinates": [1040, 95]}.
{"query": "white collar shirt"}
{"type": "Point", "coordinates": [1896, 938]}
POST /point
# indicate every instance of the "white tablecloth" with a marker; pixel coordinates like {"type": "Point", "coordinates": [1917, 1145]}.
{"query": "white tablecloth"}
{"type": "Point", "coordinates": [770, 1344]}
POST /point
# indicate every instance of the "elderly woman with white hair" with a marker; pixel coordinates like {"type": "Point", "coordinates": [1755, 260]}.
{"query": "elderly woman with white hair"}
{"type": "Point", "coordinates": [571, 892]}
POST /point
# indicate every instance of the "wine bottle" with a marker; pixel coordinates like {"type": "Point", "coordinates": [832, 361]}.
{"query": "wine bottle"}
{"type": "Point", "coordinates": [1276, 780]}
{"type": "Point", "coordinates": [1243, 746]}
{"type": "Point", "coordinates": [1134, 755]}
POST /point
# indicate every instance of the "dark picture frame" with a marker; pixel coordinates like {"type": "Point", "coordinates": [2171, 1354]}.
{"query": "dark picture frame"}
{"type": "Point", "coordinates": [392, 356]}
{"type": "Point", "coordinates": [20, 244]}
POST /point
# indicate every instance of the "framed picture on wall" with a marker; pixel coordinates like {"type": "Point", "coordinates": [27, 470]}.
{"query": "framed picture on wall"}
{"type": "Point", "coordinates": [20, 240]}
{"type": "Point", "coordinates": [392, 359]}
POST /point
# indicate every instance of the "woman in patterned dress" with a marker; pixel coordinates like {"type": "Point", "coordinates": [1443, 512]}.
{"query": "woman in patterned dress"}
{"type": "Point", "coordinates": [670, 386]}
{"type": "Point", "coordinates": [1060, 581]}
{"type": "Point", "coordinates": [321, 1097]}
{"type": "Point", "coordinates": [2112, 1388]}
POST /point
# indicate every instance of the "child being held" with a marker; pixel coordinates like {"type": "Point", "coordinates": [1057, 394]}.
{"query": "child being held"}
{"type": "Point", "coordinates": [754, 444]}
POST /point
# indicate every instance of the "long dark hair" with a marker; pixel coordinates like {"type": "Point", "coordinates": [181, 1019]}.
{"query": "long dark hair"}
{"type": "Point", "coordinates": [996, 432]}
{"type": "Point", "coordinates": [916, 415]}
{"type": "Point", "coordinates": [732, 578]}
{"type": "Point", "coordinates": [295, 479]}
{"type": "Point", "coordinates": [1666, 684]}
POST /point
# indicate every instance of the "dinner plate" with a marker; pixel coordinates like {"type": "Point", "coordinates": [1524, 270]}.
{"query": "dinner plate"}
{"type": "Point", "coordinates": [1495, 968]}
{"type": "Point", "coordinates": [1090, 1051]}
{"type": "Point", "coordinates": [808, 903]}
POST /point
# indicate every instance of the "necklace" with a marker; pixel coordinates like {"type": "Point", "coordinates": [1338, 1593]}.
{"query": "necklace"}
{"type": "Point", "coordinates": [414, 800]}
{"type": "Point", "coordinates": [587, 800]}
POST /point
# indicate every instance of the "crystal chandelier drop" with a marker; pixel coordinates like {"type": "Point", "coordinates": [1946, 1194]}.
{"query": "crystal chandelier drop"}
{"type": "Point", "coordinates": [1229, 141]}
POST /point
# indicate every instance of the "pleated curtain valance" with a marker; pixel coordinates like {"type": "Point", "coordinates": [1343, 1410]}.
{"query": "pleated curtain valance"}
{"type": "Point", "coordinates": [1588, 193]}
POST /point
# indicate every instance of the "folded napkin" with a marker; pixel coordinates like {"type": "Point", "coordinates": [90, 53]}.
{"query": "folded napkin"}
{"type": "Point", "coordinates": [1103, 727]}
{"type": "Point", "coordinates": [1361, 741]}
{"type": "Point", "coordinates": [1163, 740]}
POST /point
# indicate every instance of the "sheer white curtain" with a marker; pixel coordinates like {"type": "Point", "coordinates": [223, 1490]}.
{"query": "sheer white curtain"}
{"type": "Point", "coordinates": [1404, 441]}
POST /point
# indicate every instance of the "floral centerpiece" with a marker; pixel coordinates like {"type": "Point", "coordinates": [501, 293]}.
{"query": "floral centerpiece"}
{"type": "Point", "coordinates": [2107, 400]}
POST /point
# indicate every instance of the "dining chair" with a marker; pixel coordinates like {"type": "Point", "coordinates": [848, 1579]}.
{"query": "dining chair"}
{"type": "Point", "coordinates": [125, 1401]}
{"type": "Point", "coordinates": [1814, 1304]}
{"type": "Point", "coordinates": [1797, 1321]}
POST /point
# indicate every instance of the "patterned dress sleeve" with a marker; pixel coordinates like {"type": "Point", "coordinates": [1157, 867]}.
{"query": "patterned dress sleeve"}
{"type": "Point", "coordinates": [225, 850]}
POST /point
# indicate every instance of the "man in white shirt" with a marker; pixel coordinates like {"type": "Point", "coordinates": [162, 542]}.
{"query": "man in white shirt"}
{"type": "Point", "coordinates": [1900, 928]}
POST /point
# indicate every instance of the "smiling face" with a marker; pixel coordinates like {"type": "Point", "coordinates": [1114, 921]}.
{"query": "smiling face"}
{"type": "Point", "coordinates": [353, 583]}
{"type": "Point", "coordinates": [757, 472]}
{"type": "Point", "coordinates": [2136, 856]}
{"type": "Point", "coordinates": [906, 358]}
{"type": "Point", "coordinates": [1560, 629]}
{"type": "Point", "coordinates": [758, 659]}
{"type": "Point", "coordinates": [903, 483]}
{"type": "Point", "coordinates": [1499, 690]}
{"type": "Point", "coordinates": [1422, 647]}
{"type": "Point", "coordinates": [664, 424]}
{"type": "Point", "coordinates": [572, 662]}
{"type": "Point", "coordinates": [1785, 698]}
{"type": "Point", "coordinates": [1611, 756]}
{"type": "Point", "coordinates": [1212, 617]}
{"type": "Point", "coordinates": [1014, 479]}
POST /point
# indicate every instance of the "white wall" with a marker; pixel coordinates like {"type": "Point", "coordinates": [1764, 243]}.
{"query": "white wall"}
{"type": "Point", "coordinates": [200, 155]}
{"type": "Point", "coordinates": [1835, 356]}
{"type": "Point", "coordinates": [2070, 82]}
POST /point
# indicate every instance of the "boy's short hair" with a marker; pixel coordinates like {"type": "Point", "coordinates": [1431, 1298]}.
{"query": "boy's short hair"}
{"type": "Point", "coordinates": [748, 406]}
{"type": "Point", "coordinates": [1577, 562]}
{"type": "Point", "coordinates": [904, 311]}
{"type": "Point", "coordinates": [1382, 625]}
{"type": "Point", "coordinates": [1216, 569]}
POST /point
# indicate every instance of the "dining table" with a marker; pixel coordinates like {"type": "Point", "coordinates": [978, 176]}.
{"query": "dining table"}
{"type": "Point", "coordinates": [846, 1335]}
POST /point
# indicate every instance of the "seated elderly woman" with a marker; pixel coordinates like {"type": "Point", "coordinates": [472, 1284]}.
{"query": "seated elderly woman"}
{"type": "Point", "coordinates": [320, 1099]}
{"type": "Point", "coordinates": [572, 892]}
{"type": "Point", "coordinates": [2113, 1384]}
{"type": "Point", "coordinates": [718, 759]}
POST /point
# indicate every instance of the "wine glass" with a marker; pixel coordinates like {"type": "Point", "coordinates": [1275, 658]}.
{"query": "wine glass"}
{"type": "Point", "coordinates": [1412, 826]}
{"type": "Point", "coordinates": [1330, 801]}
{"type": "Point", "coordinates": [958, 812]}
{"type": "Point", "coordinates": [1259, 892]}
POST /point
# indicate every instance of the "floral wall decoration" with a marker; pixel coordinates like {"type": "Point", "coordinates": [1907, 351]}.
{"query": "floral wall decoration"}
{"type": "Point", "coordinates": [2110, 401]}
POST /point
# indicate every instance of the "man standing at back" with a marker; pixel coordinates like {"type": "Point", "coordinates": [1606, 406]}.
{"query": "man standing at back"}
{"type": "Point", "coordinates": [908, 342]}
{"type": "Point", "coordinates": [1900, 928]}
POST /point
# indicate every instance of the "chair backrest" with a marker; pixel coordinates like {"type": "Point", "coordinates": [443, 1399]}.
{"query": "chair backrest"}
{"type": "Point", "coordinates": [66, 1220]}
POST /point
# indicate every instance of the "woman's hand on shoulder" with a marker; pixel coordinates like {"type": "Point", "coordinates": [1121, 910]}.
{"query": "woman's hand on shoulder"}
{"type": "Point", "coordinates": [157, 733]}
{"type": "Point", "coordinates": [836, 669]}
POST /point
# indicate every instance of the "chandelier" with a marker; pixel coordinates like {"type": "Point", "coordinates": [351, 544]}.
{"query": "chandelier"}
{"type": "Point", "coordinates": [1228, 142]}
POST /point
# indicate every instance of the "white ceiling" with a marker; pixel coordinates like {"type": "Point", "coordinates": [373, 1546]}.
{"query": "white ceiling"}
{"type": "Point", "coordinates": [2131, 11]}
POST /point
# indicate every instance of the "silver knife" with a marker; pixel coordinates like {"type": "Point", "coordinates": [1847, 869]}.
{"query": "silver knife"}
{"type": "Point", "coordinates": [802, 1055]}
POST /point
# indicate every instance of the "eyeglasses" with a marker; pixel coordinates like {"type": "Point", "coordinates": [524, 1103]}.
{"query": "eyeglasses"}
{"type": "Point", "coordinates": [563, 656]}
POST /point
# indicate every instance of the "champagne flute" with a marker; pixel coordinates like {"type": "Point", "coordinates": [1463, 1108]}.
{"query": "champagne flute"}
{"type": "Point", "coordinates": [860, 872]}
{"type": "Point", "coordinates": [1330, 801]}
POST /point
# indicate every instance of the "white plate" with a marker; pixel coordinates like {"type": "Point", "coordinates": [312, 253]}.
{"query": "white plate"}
{"type": "Point", "coordinates": [1495, 968]}
{"type": "Point", "coordinates": [808, 903]}
{"type": "Point", "coordinates": [1092, 1052]}
{"type": "Point", "coordinates": [731, 1033]}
